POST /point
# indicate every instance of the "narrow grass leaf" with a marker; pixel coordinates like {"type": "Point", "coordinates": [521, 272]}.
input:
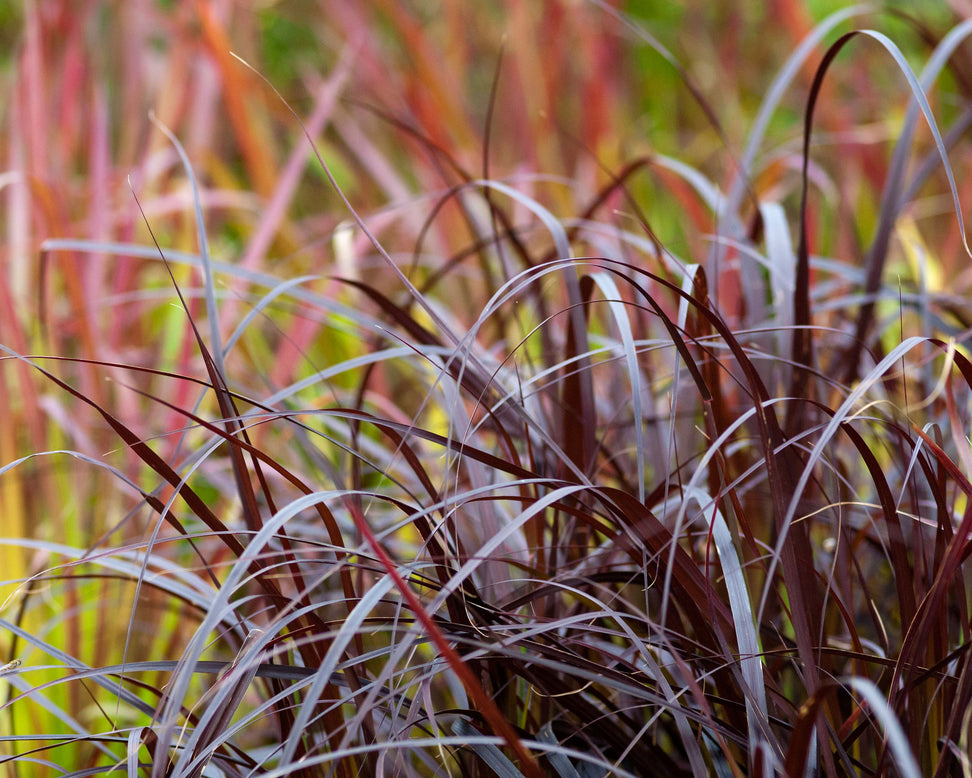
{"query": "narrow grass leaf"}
{"type": "Point", "coordinates": [904, 759]}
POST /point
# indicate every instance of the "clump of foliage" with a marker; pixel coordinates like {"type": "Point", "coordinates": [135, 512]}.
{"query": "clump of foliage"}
{"type": "Point", "coordinates": [547, 402]}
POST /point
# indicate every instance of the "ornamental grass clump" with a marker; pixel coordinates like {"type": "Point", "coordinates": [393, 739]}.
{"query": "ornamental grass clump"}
{"type": "Point", "coordinates": [354, 434]}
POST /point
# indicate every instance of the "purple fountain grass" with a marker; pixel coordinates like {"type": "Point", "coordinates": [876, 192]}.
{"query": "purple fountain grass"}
{"type": "Point", "coordinates": [585, 396]}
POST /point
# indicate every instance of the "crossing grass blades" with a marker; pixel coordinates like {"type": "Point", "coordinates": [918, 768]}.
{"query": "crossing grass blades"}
{"type": "Point", "coordinates": [553, 500]}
